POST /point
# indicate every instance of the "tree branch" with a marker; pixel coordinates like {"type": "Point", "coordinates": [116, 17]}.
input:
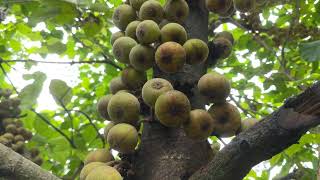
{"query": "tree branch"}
{"type": "Point", "coordinates": [268, 137]}
{"type": "Point", "coordinates": [15, 166]}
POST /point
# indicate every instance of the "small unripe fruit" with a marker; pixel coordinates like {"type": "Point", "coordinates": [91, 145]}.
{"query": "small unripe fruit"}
{"type": "Point", "coordinates": [248, 123]}
{"type": "Point", "coordinates": [27, 135]}
{"type": "Point", "coordinates": [151, 10]}
{"type": "Point", "coordinates": [123, 15]}
{"type": "Point", "coordinates": [215, 87]}
{"type": "Point", "coordinates": [132, 78]}
{"type": "Point", "coordinates": [226, 118]}
{"type": "Point", "coordinates": [199, 126]}
{"type": "Point", "coordinates": [173, 32]}
{"type": "Point", "coordinates": [148, 32]}
{"type": "Point", "coordinates": [34, 152]}
{"type": "Point", "coordinates": [123, 138]}
{"type": "Point", "coordinates": [131, 29]}
{"type": "Point", "coordinates": [6, 122]}
{"type": "Point", "coordinates": [172, 108]}
{"type": "Point", "coordinates": [18, 146]}
{"type": "Point", "coordinates": [116, 36]}
{"type": "Point", "coordinates": [5, 141]}
{"type": "Point", "coordinates": [102, 106]}
{"type": "Point", "coordinates": [226, 35]}
{"type": "Point", "coordinates": [124, 107]}
{"type": "Point", "coordinates": [107, 129]}
{"type": "Point", "coordinates": [197, 51]}
{"type": "Point", "coordinates": [153, 89]}
{"type": "Point", "coordinates": [11, 128]}
{"type": "Point", "coordinates": [38, 160]}
{"type": "Point", "coordinates": [244, 5]}
{"type": "Point", "coordinates": [170, 57]}
{"type": "Point", "coordinates": [142, 57]}
{"type": "Point", "coordinates": [176, 10]}
{"type": "Point", "coordinates": [136, 4]}
{"type": "Point", "coordinates": [18, 123]}
{"type": "Point", "coordinates": [99, 155]}
{"type": "Point", "coordinates": [122, 47]}
{"type": "Point", "coordinates": [88, 168]}
{"type": "Point", "coordinates": [222, 47]}
{"type": "Point", "coordinates": [18, 138]}
{"type": "Point", "coordinates": [116, 85]}
{"type": "Point", "coordinates": [8, 136]}
{"type": "Point", "coordinates": [104, 173]}
{"type": "Point", "coordinates": [220, 7]}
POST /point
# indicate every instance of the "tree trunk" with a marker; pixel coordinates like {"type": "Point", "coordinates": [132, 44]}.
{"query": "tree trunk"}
{"type": "Point", "coordinates": [166, 153]}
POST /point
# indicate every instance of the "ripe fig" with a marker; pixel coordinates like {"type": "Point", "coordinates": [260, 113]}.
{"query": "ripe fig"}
{"type": "Point", "coordinates": [173, 32]}
{"type": "Point", "coordinates": [104, 173]}
{"type": "Point", "coordinates": [197, 51]}
{"type": "Point", "coordinates": [136, 4]}
{"type": "Point", "coordinates": [220, 7]}
{"type": "Point", "coordinates": [148, 32]}
{"type": "Point", "coordinates": [132, 78]}
{"type": "Point", "coordinates": [153, 89]}
{"type": "Point", "coordinates": [215, 87]}
{"type": "Point", "coordinates": [99, 155]}
{"type": "Point", "coordinates": [116, 85]}
{"type": "Point", "coordinates": [123, 138]}
{"type": "Point", "coordinates": [199, 126]}
{"type": "Point", "coordinates": [116, 36]}
{"type": "Point", "coordinates": [142, 57]}
{"type": "Point", "coordinates": [107, 129]}
{"type": "Point", "coordinates": [102, 106]}
{"type": "Point", "coordinates": [124, 107]}
{"type": "Point", "coordinates": [151, 10]}
{"type": "Point", "coordinates": [226, 118]}
{"type": "Point", "coordinates": [88, 168]}
{"type": "Point", "coordinates": [170, 57]}
{"type": "Point", "coordinates": [222, 47]}
{"type": "Point", "coordinates": [123, 15]}
{"type": "Point", "coordinates": [121, 49]}
{"type": "Point", "coordinates": [172, 108]}
{"type": "Point", "coordinates": [176, 10]}
{"type": "Point", "coordinates": [131, 29]}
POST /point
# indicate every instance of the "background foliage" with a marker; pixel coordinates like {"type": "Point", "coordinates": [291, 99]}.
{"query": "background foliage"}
{"type": "Point", "coordinates": [276, 55]}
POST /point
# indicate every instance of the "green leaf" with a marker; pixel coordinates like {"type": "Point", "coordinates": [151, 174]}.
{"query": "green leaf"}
{"type": "Point", "coordinates": [60, 91]}
{"type": "Point", "coordinates": [31, 92]}
{"type": "Point", "coordinates": [310, 51]}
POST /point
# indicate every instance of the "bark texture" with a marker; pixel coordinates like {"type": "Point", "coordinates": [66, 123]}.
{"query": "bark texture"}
{"type": "Point", "coordinates": [13, 166]}
{"type": "Point", "coordinates": [266, 139]}
{"type": "Point", "coordinates": [166, 153]}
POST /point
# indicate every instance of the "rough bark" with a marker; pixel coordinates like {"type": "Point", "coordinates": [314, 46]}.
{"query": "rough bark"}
{"type": "Point", "coordinates": [267, 138]}
{"type": "Point", "coordinates": [166, 153]}
{"type": "Point", "coordinates": [14, 166]}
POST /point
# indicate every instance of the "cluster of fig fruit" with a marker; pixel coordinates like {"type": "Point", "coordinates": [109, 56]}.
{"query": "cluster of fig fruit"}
{"type": "Point", "coordinates": [152, 35]}
{"type": "Point", "coordinates": [9, 107]}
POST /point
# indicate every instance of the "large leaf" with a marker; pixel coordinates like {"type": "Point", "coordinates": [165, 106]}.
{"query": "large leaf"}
{"type": "Point", "coordinates": [31, 92]}
{"type": "Point", "coordinates": [60, 91]}
{"type": "Point", "coordinates": [310, 51]}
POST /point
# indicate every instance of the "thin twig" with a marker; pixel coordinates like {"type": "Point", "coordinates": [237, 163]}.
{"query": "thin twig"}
{"type": "Point", "coordinates": [247, 112]}
{"type": "Point", "coordinates": [5, 73]}
{"type": "Point", "coordinates": [69, 115]}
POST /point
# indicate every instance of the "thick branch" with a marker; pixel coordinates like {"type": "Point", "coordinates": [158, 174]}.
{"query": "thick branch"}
{"type": "Point", "coordinates": [266, 139]}
{"type": "Point", "coordinates": [15, 166]}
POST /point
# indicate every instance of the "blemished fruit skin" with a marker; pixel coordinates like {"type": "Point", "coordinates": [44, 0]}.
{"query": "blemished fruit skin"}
{"type": "Point", "coordinates": [142, 57]}
{"type": "Point", "coordinates": [215, 87]}
{"type": "Point", "coordinates": [148, 32]}
{"type": "Point", "coordinates": [133, 78]}
{"type": "Point", "coordinates": [199, 126]}
{"type": "Point", "coordinates": [102, 106]}
{"type": "Point", "coordinates": [220, 7]}
{"type": "Point", "coordinates": [173, 32]}
{"type": "Point", "coordinates": [124, 107]}
{"type": "Point", "coordinates": [116, 36]}
{"type": "Point", "coordinates": [176, 10]}
{"type": "Point", "coordinates": [226, 118]}
{"type": "Point", "coordinates": [99, 155]}
{"type": "Point", "coordinates": [104, 173]}
{"type": "Point", "coordinates": [121, 49]}
{"type": "Point", "coordinates": [123, 15]}
{"type": "Point", "coordinates": [197, 51]}
{"type": "Point", "coordinates": [153, 88]}
{"type": "Point", "coordinates": [223, 46]}
{"type": "Point", "coordinates": [226, 35]}
{"type": "Point", "coordinates": [244, 5]}
{"type": "Point", "coordinates": [136, 4]}
{"type": "Point", "coordinates": [116, 85]}
{"type": "Point", "coordinates": [107, 129]}
{"type": "Point", "coordinates": [151, 10]}
{"type": "Point", "coordinates": [248, 123]}
{"type": "Point", "coordinates": [131, 29]}
{"type": "Point", "coordinates": [123, 138]}
{"type": "Point", "coordinates": [88, 168]}
{"type": "Point", "coordinates": [170, 57]}
{"type": "Point", "coordinates": [172, 108]}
